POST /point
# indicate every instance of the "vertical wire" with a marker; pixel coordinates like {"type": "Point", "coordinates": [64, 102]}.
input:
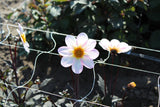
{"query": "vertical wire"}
{"type": "Point", "coordinates": [94, 77]}
{"type": "Point", "coordinates": [6, 35]}
{"type": "Point", "coordinates": [21, 86]}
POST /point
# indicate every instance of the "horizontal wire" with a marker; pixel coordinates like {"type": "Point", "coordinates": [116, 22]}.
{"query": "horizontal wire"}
{"type": "Point", "coordinates": [44, 31]}
{"type": "Point", "coordinates": [49, 93]}
{"type": "Point", "coordinates": [98, 61]}
{"type": "Point", "coordinates": [130, 68]}
{"type": "Point", "coordinates": [62, 34]}
{"type": "Point", "coordinates": [35, 50]}
{"type": "Point", "coordinates": [148, 49]}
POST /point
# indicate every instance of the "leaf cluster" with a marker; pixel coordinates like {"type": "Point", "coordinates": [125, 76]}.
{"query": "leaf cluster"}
{"type": "Point", "coordinates": [127, 20]}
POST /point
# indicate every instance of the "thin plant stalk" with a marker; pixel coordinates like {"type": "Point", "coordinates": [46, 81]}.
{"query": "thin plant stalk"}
{"type": "Point", "coordinates": [11, 53]}
{"type": "Point", "coordinates": [114, 85]}
{"type": "Point", "coordinates": [73, 79]}
{"type": "Point", "coordinates": [77, 85]}
{"type": "Point", "coordinates": [14, 64]}
{"type": "Point", "coordinates": [14, 67]}
{"type": "Point", "coordinates": [124, 94]}
{"type": "Point", "coordinates": [15, 55]}
{"type": "Point", "coordinates": [77, 89]}
{"type": "Point", "coordinates": [110, 84]}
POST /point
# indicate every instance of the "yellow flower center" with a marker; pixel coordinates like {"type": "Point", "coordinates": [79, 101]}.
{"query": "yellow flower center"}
{"type": "Point", "coordinates": [23, 37]}
{"type": "Point", "coordinates": [78, 52]}
{"type": "Point", "coordinates": [114, 50]}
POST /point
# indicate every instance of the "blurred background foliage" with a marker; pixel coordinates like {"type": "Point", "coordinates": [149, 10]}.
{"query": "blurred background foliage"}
{"type": "Point", "coordinates": [133, 21]}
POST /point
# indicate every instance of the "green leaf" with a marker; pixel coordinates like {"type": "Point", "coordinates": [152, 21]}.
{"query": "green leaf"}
{"type": "Point", "coordinates": [9, 16]}
{"type": "Point", "coordinates": [101, 84]}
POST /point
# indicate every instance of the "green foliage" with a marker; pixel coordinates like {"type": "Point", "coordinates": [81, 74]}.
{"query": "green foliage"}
{"type": "Point", "coordinates": [127, 20]}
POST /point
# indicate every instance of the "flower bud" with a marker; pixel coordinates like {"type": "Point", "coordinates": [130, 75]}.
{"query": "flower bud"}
{"type": "Point", "coordinates": [131, 85]}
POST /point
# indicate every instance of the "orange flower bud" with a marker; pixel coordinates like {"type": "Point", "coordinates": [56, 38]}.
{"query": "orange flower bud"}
{"type": "Point", "coordinates": [131, 85]}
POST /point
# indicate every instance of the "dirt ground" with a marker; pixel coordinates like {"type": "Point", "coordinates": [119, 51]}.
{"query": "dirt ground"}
{"type": "Point", "coordinates": [48, 67]}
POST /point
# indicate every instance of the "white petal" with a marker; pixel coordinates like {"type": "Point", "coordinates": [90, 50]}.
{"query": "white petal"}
{"type": "Point", "coordinates": [66, 61]}
{"type": "Point", "coordinates": [104, 43]}
{"type": "Point", "coordinates": [27, 50]}
{"type": "Point", "coordinates": [70, 41]}
{"type": "Point", "coordinates": [87, 62]}
{"type": "Point", "coordinates": [124, 47]}
{"type": "Point", "coordinates": [91, 44]}
{"type": "Point", "coordinates": [20, 28]}
{"type": "Point", "coordinates": [26, 47]}
{"type": "Point", "coordinates": [82, 39]}
{"type": "Point", "coordinates": [18, 32]}
{"type": "Point", "coordinates": [77, 66]}
{"type": "Point", "coordinates": [114, 43]}
{"type": "Point", "coordinates": [65, 51]}
{"type": "Point", "coordinates": [93, 54]}
{"type": "Point", "coordinates": [26, 44]}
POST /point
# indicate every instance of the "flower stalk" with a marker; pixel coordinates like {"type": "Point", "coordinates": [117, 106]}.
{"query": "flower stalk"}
{"type": "Point", "coordinates": [77, 85]}
{"type": "Point", "coordinates": [15, 68]}
{"type": "Point", "coordinates": [114, 47]}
